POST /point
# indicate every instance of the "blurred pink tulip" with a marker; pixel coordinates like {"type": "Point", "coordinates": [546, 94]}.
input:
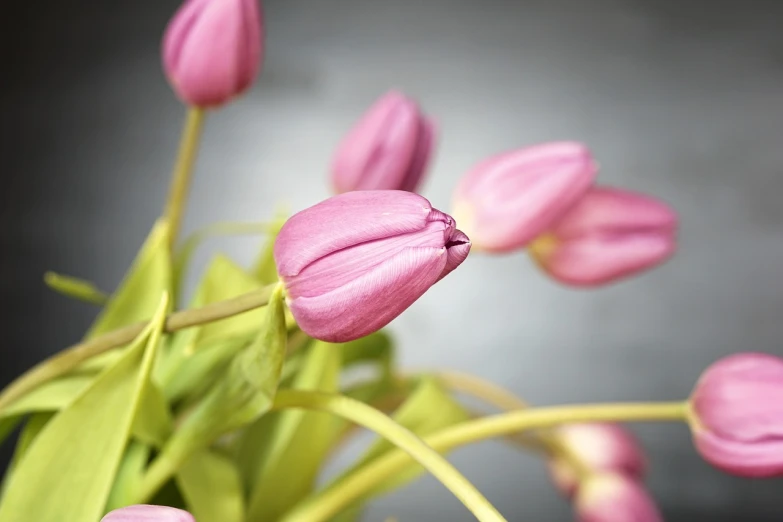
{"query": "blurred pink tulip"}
{"type": "Point", "coordinates": [614, 497]}
{"type": "Point", "coordinates": [737, 421]}
{"type": "Point", "coordinates": [356, 261]}
{"type": "Point", "coordinates": [146, 513]}
{"type": "Point", "coordinates": [601, 448]}
{"type": "Point", "coordinates": [507, 200]}
{"type": "Point", "coordinates": [388, 148]}
{"type": "Point", "coordinates": [610, 234]}
{"type": "Point", "coordinates": [212, 50]}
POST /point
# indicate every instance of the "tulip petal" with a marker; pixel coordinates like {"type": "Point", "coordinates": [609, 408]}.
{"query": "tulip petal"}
{"type": "Point", "coordinates": [376, 153]}
{"type": "Point", "coordinates": [740, 398]}
{"type": "Point", "coordinates": [343, 266]}
{"type": "Point", "coordinates": [508, 200]}
{"type": "Point", "coordinates": [370, 302]}
{"type": "Point", "coordinates": [759, 459]}
{"type": "Point", "coordinates": [346, 220]}
{"type": "Point", "coordinates": [615, 498]}
{"type": "Point", "coordinates": [421, 155]}
{"type": "Point", "coordinates": [147, 513]}
{"type": "Point", "coordinates": [457, 250]}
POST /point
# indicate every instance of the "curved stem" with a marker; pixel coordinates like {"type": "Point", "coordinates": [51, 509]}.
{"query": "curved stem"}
{"type": "Point", "coordinates": [412, 445]}
{"type": "Point", "coordinates": [504, 399]}
{"type": "Point", "coordinates": [180, 180]}
{"type": "Point", "coordinates": [68, 359]}
{"type": "Point", "coordinates": [333, 500]}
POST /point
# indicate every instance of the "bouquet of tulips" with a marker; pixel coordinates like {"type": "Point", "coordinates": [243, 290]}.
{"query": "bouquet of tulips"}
{"type": "Point", "coordinates": [226, 408]}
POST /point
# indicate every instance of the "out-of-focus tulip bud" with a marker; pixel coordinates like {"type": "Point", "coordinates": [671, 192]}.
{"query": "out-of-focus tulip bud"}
{"type": "Point", "coordinates": [608, 235]}
{"type": "Point", "coordinates": [387, 149]}
{"type": "Point", "coordinates": [145, 513]}
{"type": "Point", "coordinates": [506, 201]}
{"type": "Point", "coordinates": [600, 448]}
{"type": "Point", "coordinates": [212, 50]}
{"type": "Point", "coordinates": [354, 262]}
{"type": "Point", "coordinates": [737, 415]}
{"type": "Point", "coordinates": [614, 497]}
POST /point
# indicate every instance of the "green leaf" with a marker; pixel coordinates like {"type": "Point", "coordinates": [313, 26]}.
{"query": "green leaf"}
{"type": "Point", "coordinates": [282, 453]}
{"type": "Point", "coordinates": [75, 288]}
{"type": "Point", "coordinates": [265, 269]}
{"type": "Point", "coordinates": [223, 280]}
{"type": "Point", "coordinates": [199, 370]}
{"type": "Point", "coordinates": [153, 423]}
{"type": "Point", "coordinates": [212, 489]}
{"type": "Point", "coordinates": [84, 442]}
{"type": "Point", "coordinates": [428, 409]}
{"type": "Point", "coordinates": [185, 253]}
{"type": "Point", "coordinates": [376, 348]}
{"type": "Point", "coordinates": [139, 294]}
{"type": "Point", "coordinates": [50, 396]}
{"type": "Point", "coordinates": [129, 475]}
{"type": "Point", "coordinates": [243, 394]}
{"type": "Point", "coordinates": [35, 423]}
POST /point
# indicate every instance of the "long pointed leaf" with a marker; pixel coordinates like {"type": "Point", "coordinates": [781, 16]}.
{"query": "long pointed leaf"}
{"type": "Point", "coordinates": [84, 442]}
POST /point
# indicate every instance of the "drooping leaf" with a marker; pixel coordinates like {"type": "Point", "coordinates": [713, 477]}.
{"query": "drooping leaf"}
{"type": "Point", "coordinates": [50, 396]}
{"type": "Point", "coordinates": [198, 371]}
{"type": "Point", "coordinates": [84, 442]}
{"type": "Point", "coordinates": [185, 254]}
{"type": "Point", "coordinates": [244, 393]}
{"type": "Point", "coordinates": [212, 489]}
{"type": "Point", "coordinates": [76, 288]}
{"type": "Point", "coordinates": [32, 427]}
{"type": "Point", "coordinates": [428, 409]}
{"type": "Point", "coordinates": [222, 280]}
{"type": "Point", "coordinates": [280, 455]}
{"type": "Point", "coordinates": [138, 295]}
{"type": "Point", "coordinates": [153, 422]}
{"type": "Point", "coordinates": [129, 475]}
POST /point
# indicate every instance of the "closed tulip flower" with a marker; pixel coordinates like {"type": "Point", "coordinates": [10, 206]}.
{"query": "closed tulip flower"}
{"type": "Point", "coordinates": [609, 235]}
{"type": "Point", "coordinates": [212, 50]}
{"type": "Point", "coordinates": [508, 200]}
{"type": "Point", "coordinates": [145, 513]}
{"type": "Point", "coordinates": [737, 415]}
{"type": "Point", "coordinates": [614, 497]}
{"type": "Point", "coordinates": [388, 148]}
{"type": "Point", "coordinates": [601, 447]}
{"type": "Point", "coordinates": [354, 262]}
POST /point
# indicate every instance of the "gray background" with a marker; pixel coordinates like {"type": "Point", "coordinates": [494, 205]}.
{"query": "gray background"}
{"type": "Point", "coordinates": [681, 99]}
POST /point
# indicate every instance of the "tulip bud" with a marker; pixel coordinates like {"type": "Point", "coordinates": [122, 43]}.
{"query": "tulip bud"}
{"type": "Point", "coordinates": [608, 235]}
{"type": "Point", "coordinates": [614, 497]}
{"type": "Point", "coordinates": [145, 513]}
{"type": "Point", "coordinates": [354, 262]}
{"type": "Point", "coordinates": [508, 200]}
{"type": "Point", "coordinates": [212, 50]}
{"type": "Point", "coordinates": [601, 448]}
{"type": "Point", "coordinates": [388, 149]}
{"type": "Point", "coordinates": [737, 415]}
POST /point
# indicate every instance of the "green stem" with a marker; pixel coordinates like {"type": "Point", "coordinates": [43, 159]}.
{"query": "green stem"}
{"type": "Point", "coordinates": [406, 440]}
{"type": "Point", "coordinates": [180, 180]}
{"type": "Point", "coordinates": [333, 500]}
{"type": "Point", "coordinates": [503, 399]}
{"type": "Point", "coordinates": [68, 359]}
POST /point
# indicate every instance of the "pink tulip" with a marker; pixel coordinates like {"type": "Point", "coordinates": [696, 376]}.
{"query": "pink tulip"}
{"type": "Point", "coordinates": [506, 201]}
{"type": "Point", "coordinates": [212, 50]}
{"type": "Point", "coordinates": [145, 513]}
{"type": "Point", "coordinates": [608, 235]}
{"type": "Point", "coordinates": [356, 261]}
{"type": "Point", "coordinates": [601, 448]}
{"type": "Point", "coordinates": [737, 419]}
{"type": "Point", "coordinates": [614, 497]}
{"type": "Point", "coordinates": [387, 149]}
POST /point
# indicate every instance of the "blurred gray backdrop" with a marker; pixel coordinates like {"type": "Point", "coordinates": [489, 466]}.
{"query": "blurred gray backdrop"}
{"type": "Point", "coordinates": [680, 99]}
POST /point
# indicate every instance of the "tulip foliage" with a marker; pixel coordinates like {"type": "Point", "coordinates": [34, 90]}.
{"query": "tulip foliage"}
{"type": "Point", "coordinates": [227, 406]}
